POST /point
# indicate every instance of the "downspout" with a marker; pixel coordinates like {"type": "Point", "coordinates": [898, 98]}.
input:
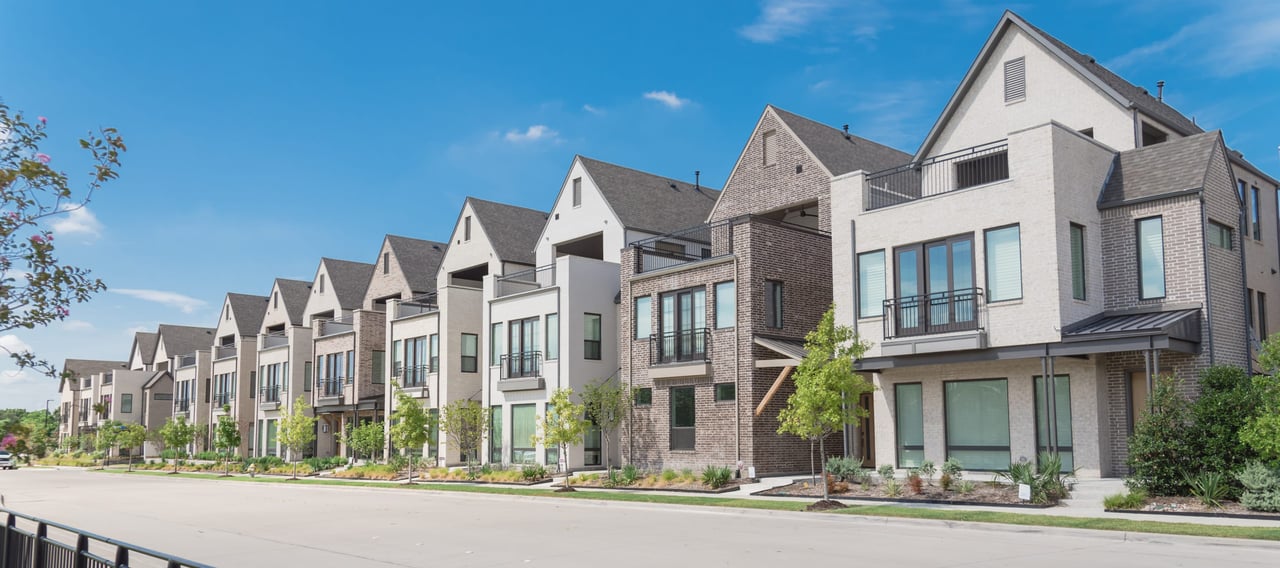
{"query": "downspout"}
{"type": "Point", "coordinates": [631, 369]}
{"type": "Point", "coordinates": [489, 370]}
{"type": "Point", "coordinates": [737, 367]}
{"type": "Point", "coordinates": [1208, 292]}
{"type": "Point", "coordinates": [1244, 278]}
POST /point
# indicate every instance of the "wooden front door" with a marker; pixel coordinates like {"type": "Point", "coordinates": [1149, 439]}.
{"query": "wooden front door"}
{"type": "Point", "coordinates": [867, 431]}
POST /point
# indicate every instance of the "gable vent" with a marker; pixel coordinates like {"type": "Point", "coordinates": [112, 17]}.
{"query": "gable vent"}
{"type": "Point", "coordinates": [1015, 80]}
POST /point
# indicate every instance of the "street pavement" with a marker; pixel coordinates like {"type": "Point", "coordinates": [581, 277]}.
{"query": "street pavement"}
{"type": "Point", "coordinates": [250, 524]}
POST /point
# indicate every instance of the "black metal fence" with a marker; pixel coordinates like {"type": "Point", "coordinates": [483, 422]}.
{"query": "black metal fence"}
{"type": "Point", "coordinates": [31, 542]}
{"type": "Point", "coordinates": [679, 346]}
{"type": "Point", "coordinates": [986, 163]}
{"type": "Point", "coordinates": [940, 312]}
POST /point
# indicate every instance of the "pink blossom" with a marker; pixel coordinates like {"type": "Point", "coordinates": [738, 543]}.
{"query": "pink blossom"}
{"type": "Point", "coordinates": [43, 157]}
{"type": "Point", "coordinates": [37, 239]}
{"type": "Point", "coordinates": [9, 441]}
{"type": "Point", "coordinates": [63, 312]}
{"type": "Point", "coordinates": [13, 216]}
{"type": "Point", "coordinates": [44, 120]}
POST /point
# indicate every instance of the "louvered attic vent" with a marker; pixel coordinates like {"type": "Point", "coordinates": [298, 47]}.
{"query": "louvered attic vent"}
{"type": "Point", "coordinates": [1015, 80]}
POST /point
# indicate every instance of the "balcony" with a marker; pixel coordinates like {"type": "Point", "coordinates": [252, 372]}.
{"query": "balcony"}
{"type": "Point", "coordinates": [181, 405]}
{"type": "Point", "coordinates": [413, 376]}
{"type": "Point", "coordinates": [269, 397]}
{"type": "Point", "coordinates": [334, 326]}
{"type": "Point", "coordinates": [329, 387]}
{"type": "Point", "coordinates": [702, 242]}
{"type": "Point", "coordinates": [521, 371]}
{"type": "Point", "coordinates": [108, 378]}
{"type": "Point", "coordinates": [942, 321]}
{"type": "Point", "coordinates": [224, 351]}
{"type": "Point", "coordinates": [682, 353]}
{"type": "Point", "coordinates": [221, 399]}
{"type": "Point", "coordinates": [417, 305]}
{"type": "Point", "coordinates": [525, 281]}
{"type": "Point", "coordinates": [274, 339]}
{"type": "Point", "coordinates": [953, 171]}
{"type": "Point", "coordinates": [185, 361]}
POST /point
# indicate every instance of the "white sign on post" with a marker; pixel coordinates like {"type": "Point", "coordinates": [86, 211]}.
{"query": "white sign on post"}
{"type": "Point", "coordinates": [1024, 492]}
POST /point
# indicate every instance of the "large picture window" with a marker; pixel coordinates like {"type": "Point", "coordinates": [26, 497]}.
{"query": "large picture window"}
{"type": "Point", "coordinates": [1151, 258]}
{"type": "Point", "coordinates": [977, 422]}
{"type": "Point", "coordinates": [1062, 410]}
{"type": "Point", "coordinates": [871, 284]}
{"type": "Point", "coordinates": [909, 418]}
{"type": "Point", "coordinates": [523, 427]}
{"type": "Point", "coordinates": [1004, 264]}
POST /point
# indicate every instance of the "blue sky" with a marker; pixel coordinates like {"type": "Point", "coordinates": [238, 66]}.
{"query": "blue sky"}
{"type": "Point", "coordinates": [264, 135]}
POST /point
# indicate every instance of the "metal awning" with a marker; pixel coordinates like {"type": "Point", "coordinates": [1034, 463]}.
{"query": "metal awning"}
{"type": "Point", "coordinates": [792, 351]}
{"type": "Point", "coordinates": [1177, 324]}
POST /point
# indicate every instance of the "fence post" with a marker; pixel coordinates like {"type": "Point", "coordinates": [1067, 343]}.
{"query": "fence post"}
{"type": "Point", "coordinates": [122, 556]}
{"type": "Point", "coordinates": [37, 545]}
{"type": "Point", "coordinates": [4, 541]}
{"type": "Point", "coordinates": [82, 548]}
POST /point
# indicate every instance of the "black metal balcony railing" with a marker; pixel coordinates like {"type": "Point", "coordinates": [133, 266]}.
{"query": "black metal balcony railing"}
{"type": "Point", "coordinates": [412, 376]}
{"type": "Point", "coordinates": [681, 346]}
{"type": "Point", "coordinates": [982, 164]}
{"type": "Point", "coordinates": [269, 394]}
{"type": "Point", "coordinates": [331, 386]}
{"type": "Point", "coordinates": [940, 312]}
{"type": "Point", "coordinates": [525, 280]}
{"type": "Point", "coordinates": [521, 365]}
{"type": "Point", "coordinates": [182, 405]}
{"type": "Point", "coordinates": [26, 542]}
{"type": "Point", "coordinates": [221, 399]}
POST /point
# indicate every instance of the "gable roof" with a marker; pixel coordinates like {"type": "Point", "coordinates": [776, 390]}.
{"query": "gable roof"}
{"type": "Point", "coordinates": [1125, 94]}
{"type": "Point", "coordinates": [512, 231]}
{"type": "Point", "coordinates": [1160, 170]}
{"type": "Point", "coordinates": [349, 280]}
{"type": "Point", "coordinates": [145, 342]}
{"type": "Point", "coordinates": [649, 202]}
{"type": "Point", "coordinates": [419, 260]}
{"type": "Point", "coordinates": [81, 367]}
{"type": "Point", "coordinates": [841, 153]}
{"type": "Point", "coordinates": [249, 311]}
{"type": "Point", "coordinates": [151, 382]}
{"type": "Point", "coordinates": [184, 339]}
{"type": "Point", "coordinates": [294, 294]}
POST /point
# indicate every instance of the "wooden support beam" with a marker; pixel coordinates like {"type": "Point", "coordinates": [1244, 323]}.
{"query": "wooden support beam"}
{"type": "Point", "coordinates": [786, 372]}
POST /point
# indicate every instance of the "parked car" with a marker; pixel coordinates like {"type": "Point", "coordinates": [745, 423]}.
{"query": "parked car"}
{"type": "Point", "coordinates": [8, 460]}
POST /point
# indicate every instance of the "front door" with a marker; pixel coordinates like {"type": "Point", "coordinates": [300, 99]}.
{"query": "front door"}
{"type": "Point", "coordinates": [867, 431]}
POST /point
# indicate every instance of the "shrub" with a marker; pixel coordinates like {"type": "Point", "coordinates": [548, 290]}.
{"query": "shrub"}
{"type": "Point", "coordinates": [927, 469]}
{"type": "Point", "coordinates": [1228, 399]}
{"type": "Point", "coordinates": [945, 481]}
{"type": "Point", "coordinates": [861, 477]}
{"type": "Point", "coordinates": [533, 473]}
{"type": "Point", "coordinates": [915, 483]}
{"type": "Point", "coordinates": [1049, 485]}
{"type": "Point", "coordinates": [885, 471]}
{"type": "Point", "coordinates": [669, 475]}
{"type": "Point", "coordinates": [716, 477]}
{"type": "Point", "coordinates": [1261, 487]}
{"type": "Point", "coordinates": [965, 487]}
{"type": "Point", "coordinates": [843, 469]}
{"type": "Point", "coordinates": [613, 479]}
{"type": "Point", "coordinates": [1209, 487]}
{"type": "Point", "coordinates": [319, 464]}
{"type": "Point", "coordinates": [1161, 450]}
{"type": "Point", "coordinates": [1261, 433]}
{"type": "Point", "coordinates": [630, 474]}
{"type": "Point", "coordinates": [1269, 502]}
{"type": "Point", "coordinates": [1132, 500]}
{"type": "Point", "coordinates": [265, 463]}
{"type": "Point", "coordinates": [892, 488]}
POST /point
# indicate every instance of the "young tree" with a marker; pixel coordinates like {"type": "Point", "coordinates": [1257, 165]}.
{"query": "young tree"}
{"type": "Point", "coordinates": [562, 425]}
{"type": "Point", "coordinates": [226, 438]}
{"type": "Point", "coordinates": [132, 436]}
{"type": "Point", "coordinates": [465, 423]}
{"type": "Point", "coordinates": [827, 388]}
{"type": "Point", "coordinates": [606, 404]}
{"type": "Point", "coordinates": [297, 431]}
{"type": "Point", "coordinates": [35, 288]}
{"type": "Point", "coordinates": [365, 438]}
{"type": "Point", "coordinates": [107, 437]}
{"type": "Point", "coordinates": [410, 425]}
{"type": "Point", "coordinates": [178, 434]}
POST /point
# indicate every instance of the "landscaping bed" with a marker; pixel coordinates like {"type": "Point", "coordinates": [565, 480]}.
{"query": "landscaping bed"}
{"type": "Point", "coordinates": [378, 472]}
{"type": "Point", "coordinates": [986, 493]}
{"type": "Point", "coordinates": [1194, 507]}
{"type": "Point", "coordinates": [486, 474]}
{"type": "Point", "coordinates": [712, 480]}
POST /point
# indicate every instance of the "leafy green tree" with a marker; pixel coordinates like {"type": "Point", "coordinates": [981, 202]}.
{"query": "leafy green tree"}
{"type": "Point", "coordinates": [178, 434]}
{"type": "Point", "coordinates": [825, 386]}
{"type": "Point", "coordinates": [410, 427]}
{"type": "Point", "coordinates": [465, 423]}
{"type": "Point", "coordinates": [365, 439]}
{"type": "Point", "coordinates": [1262, 431]}
{"type": "Point", "coordinates": [1228, 399]}
{"type": "Point", "coordinates": [107, 437]}
{"type": "Point", "coordinates": [562, 425]}
{"type": "Point", "coordinates": [297, 431]}
{"type": "Point", "coordinates": [35, 288]}
{"type": "Point", "coordinates": [606, 403]}
{"type": "Point", "coordinates": [132, 436]}
{"type": "Point", "coordinates": [227, 438]}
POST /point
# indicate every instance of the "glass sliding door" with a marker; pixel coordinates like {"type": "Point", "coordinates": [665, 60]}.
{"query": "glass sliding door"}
{"type": "Point", "coordinates": [684, 322]}
{"type": "Point", "coordinates": [934, 287]}
{"type": "Point", "coordinates": [524, 352]}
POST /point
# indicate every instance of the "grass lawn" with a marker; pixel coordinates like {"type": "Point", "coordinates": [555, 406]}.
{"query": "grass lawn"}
{"type": "Point", "coordinates": [1106, 524]}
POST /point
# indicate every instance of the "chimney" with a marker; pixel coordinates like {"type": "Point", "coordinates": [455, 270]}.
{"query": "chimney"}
{"type": "Point", "coordinates": [697, 180]}
{"type": "Point", "coordinates": [846, 131]}
{"type": "Point", "coordinates": [1159, 90]}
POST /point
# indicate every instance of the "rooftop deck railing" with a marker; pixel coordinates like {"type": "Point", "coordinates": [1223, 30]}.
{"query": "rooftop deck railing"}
{"type": "Point", "coordinates": [274, 339]}
{"type": "Point", "coordinates": [185, 361]}
{"type": "Point", "coordinates": [224, 351]}
{"type": "Point", "coordinates": [953, 171]}
{"type": "Point", "coordinates": [526, 280]}
{"type": "Point", "coordinates": [334, 326]}
{"type": "Point", "coordinates": [417, 305]}
{"type": "Point", "coordinates": [700, 242]}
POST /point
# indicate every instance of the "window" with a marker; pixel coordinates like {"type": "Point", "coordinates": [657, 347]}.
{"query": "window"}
{"type": "Point", "coordinates": [908, 402]}
{"type": "Point", "coordinates": [275, 300]}
{"type": "Point", "coordinates": [1015, 80]}
{"type": "Point", "coordinates": [725, 392]}
{"type": "Point", "coordinates": [773, 304]}
{"type": "Point", "coordinates": [1150, 258]}
{"type": "Point", "coordinates": [379, 367]}
{"type": "Point", "coordinates": [271, 437]}
{"type": "Point", "coordinates": [434, 352]}
{"type": "Point", "coordinates": [669, 248]}
{"type": "Point", "coordinates": [1255, 213]}
{"type": "Point", "coordinates": [1152, 135]}
{"type": "Point", "coordinates": [592, 446]}
{"type": "Point", "coordinates": [1220, 236]}
{"type": "Point", "coordinates": [871, 284]}
{"type": "Point", "coordinates": [643, 315]}
{"type": "Point", "coordinates": [1004, 264]}
{"type": "Point", "coordinates": [523, 428]}
{"type": "Point", "coordinates": [977, 423]}
{"type": "Point", "coordinates": [683, 321]}
{"type": "Point", "coordinates": [306, 376]}
{"type": "Point", "coordinates": [935, 287]}
{"type": "Point", "coordinates": [1062, 410]}
{"type": "Point", "coordinates": [1240, 185]}
{"type": "Point", "coordinates": [1248, 308]}
{"type": "Point", "coordinates": [577, 192]}
{"type": "Point", "coordinates": [769, 147]}
{"type": "Point", "coordinates": [591, 335]}
{"type": "Point", "coordinates": [466, 228]}
{"type": "Point", "coordinates": [126, 403]}
{"type": "Point", "coordinates": [524, 351]}
{"type": "Point", "coordinates": [1262, 315]}
{"type": "Point", "coordinates": [253, 382]}
{"type": "Point", "coordinates": [683, 412]}
{"type": "Point", "coordinates": [470, 350]}
{"type": "Point", "coordinates": [321, 283]}
{"type": "Point", "coordinates": [553, 336]}
{"type": "Point", "coordinates": [726, 305]}
{"type": "Point", "coordinates": [433, 436]}
{"type": "Point", "coordinates": [351, 367]}
{"type": "Point", "coordinates": [495, 434]}
{"type": "Point", "coordinates": [386, 262]}
{"type": "Point", "coordinates": [226, 314]}
{"type": "Point", "coordinates": [644, 396]}
{"type": "Point", "coordinates": [1077, 262]}
{"type": "Point", "coordinates": [495, 344]}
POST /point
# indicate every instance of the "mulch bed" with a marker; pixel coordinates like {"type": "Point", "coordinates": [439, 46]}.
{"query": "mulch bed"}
{"type": "Point", "coordinates": [1192, 507]}
{"type": "Point", "coordinates": [483, 482]}
{"type": "Point", "coordinates": [827, 505]}
{"type": "Point", "coordinates": [733, 485]}
{"type": "Point", "coordinates": [982, 494]}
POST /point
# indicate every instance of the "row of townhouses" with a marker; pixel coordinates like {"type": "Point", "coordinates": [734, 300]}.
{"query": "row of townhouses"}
{"type": "Point", "coordinates": [1056, 222]}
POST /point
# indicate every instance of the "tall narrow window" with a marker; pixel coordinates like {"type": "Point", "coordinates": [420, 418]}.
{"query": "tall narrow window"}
{"type": "Point", "coordinates": [433, 352]}
{"type": "Point", "coordinates": [466, 228]}
{"type": "Point", "coordinates": [909, 404]}
{"type": "Point", "coordinates": [553, 336]}
{"type": "Point", "coordinates": [591, 337]}
{"type": "Point", "coordinates": [1151, 258]}
{"type": "Point", "coordinates": [977, 423]}
{"type": "Point", "coordinates": [643, 316]}
{"type": "Point", "coordinates": [470, 352]}
{"type": "Point", "coordinates": [1015, 80]}
{"type": "Point", "coordinates": [379, 367]}
{"type": "Point", "coordinates": [1249, 303]}
{"type": "Point", "coordinates": [769, 147]}
{"type": "Point", "coordinates": [307, 369]}
{"type": "Point", "coordinates": [495, 434]}
{"type": "Point", "coordinates": [1062, 412]}
{"type": "Point", "coordinates": [275, 300]}
{"type": "Point", "coordinates": [1255, 212]}
{"type": "Point", "coordinates": [126, 403]}
{"type": "Point", "coordinates": [577, 192]}
{"type": "Point", "coordinates": [321, 283]}
{"type": "Point", "coordinates": [1262, 316]}
{"type": "Point", "coordinates": [1004, 264]}
{"type": "Point", "coordinates": [523, 428]}
{"type": "Point", "coordinates": [1077, 262]}
{"type": "Point", "coordinates": [495, 344]}
{"type": "Point", "coordinates": [871, 284]}
{"type": "Point", "coordinates": [773, 304]}
{"type": "Point", "coordinates": [726, 305]}
{"type": "Point", "coordinates": [386, 263]}
{"type": "Point", "coordinates": [683, 419]}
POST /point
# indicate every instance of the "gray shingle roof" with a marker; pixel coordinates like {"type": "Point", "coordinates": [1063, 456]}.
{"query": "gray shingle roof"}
{"type": "Point", "coordinates": [650, 202]}
{"type": "Point", "coordinates": [838, 152]}
{"type": "Point", "coordinates": [349, 280]}
{"type": "Point", "coordinates": [294, 294]}
{"type": "Point", "coordinates": [1171, 167]}
{"type": "Point", "coordinates": [81, 367]}
{"type": "Point", "coordinates": [513, 231]}
{"type": "Point", "coordinates": [248, 310]}
{"type": "Point", "coordinates": [419, 260]}
{"type": "Point", "coordinates": [146, 342]}
{"type": "Point", "coordinates": [185, 339]}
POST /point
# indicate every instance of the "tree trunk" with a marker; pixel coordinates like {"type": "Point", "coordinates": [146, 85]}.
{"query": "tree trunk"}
{"type": "Point", "coordinates": [822, 453]}
{"type": "Point", "coordinates": [812, 476]}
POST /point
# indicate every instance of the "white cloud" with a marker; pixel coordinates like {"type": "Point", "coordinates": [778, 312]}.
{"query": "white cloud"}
{"type": "Point", "coordinates": [76, 325]}
{"type": "Point", "coordinates": [13, 344]}
{"type": "Point", "coordinates": [667, 98]}
{"type": "Point", "coordinates": [13, 377]}
{"type": "Point", "coordinates": [77, 220]}
{"type": "Point", "coordinates": [1253, 44]}
{"type": "Point", "coordinates": [532, 134]}
{"type": "Point", "coordinates": [185, 303]}
{"type": "Point", "coordinates": [782, 18]}
{"type": "Point", "coordinates": [593, 110]}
